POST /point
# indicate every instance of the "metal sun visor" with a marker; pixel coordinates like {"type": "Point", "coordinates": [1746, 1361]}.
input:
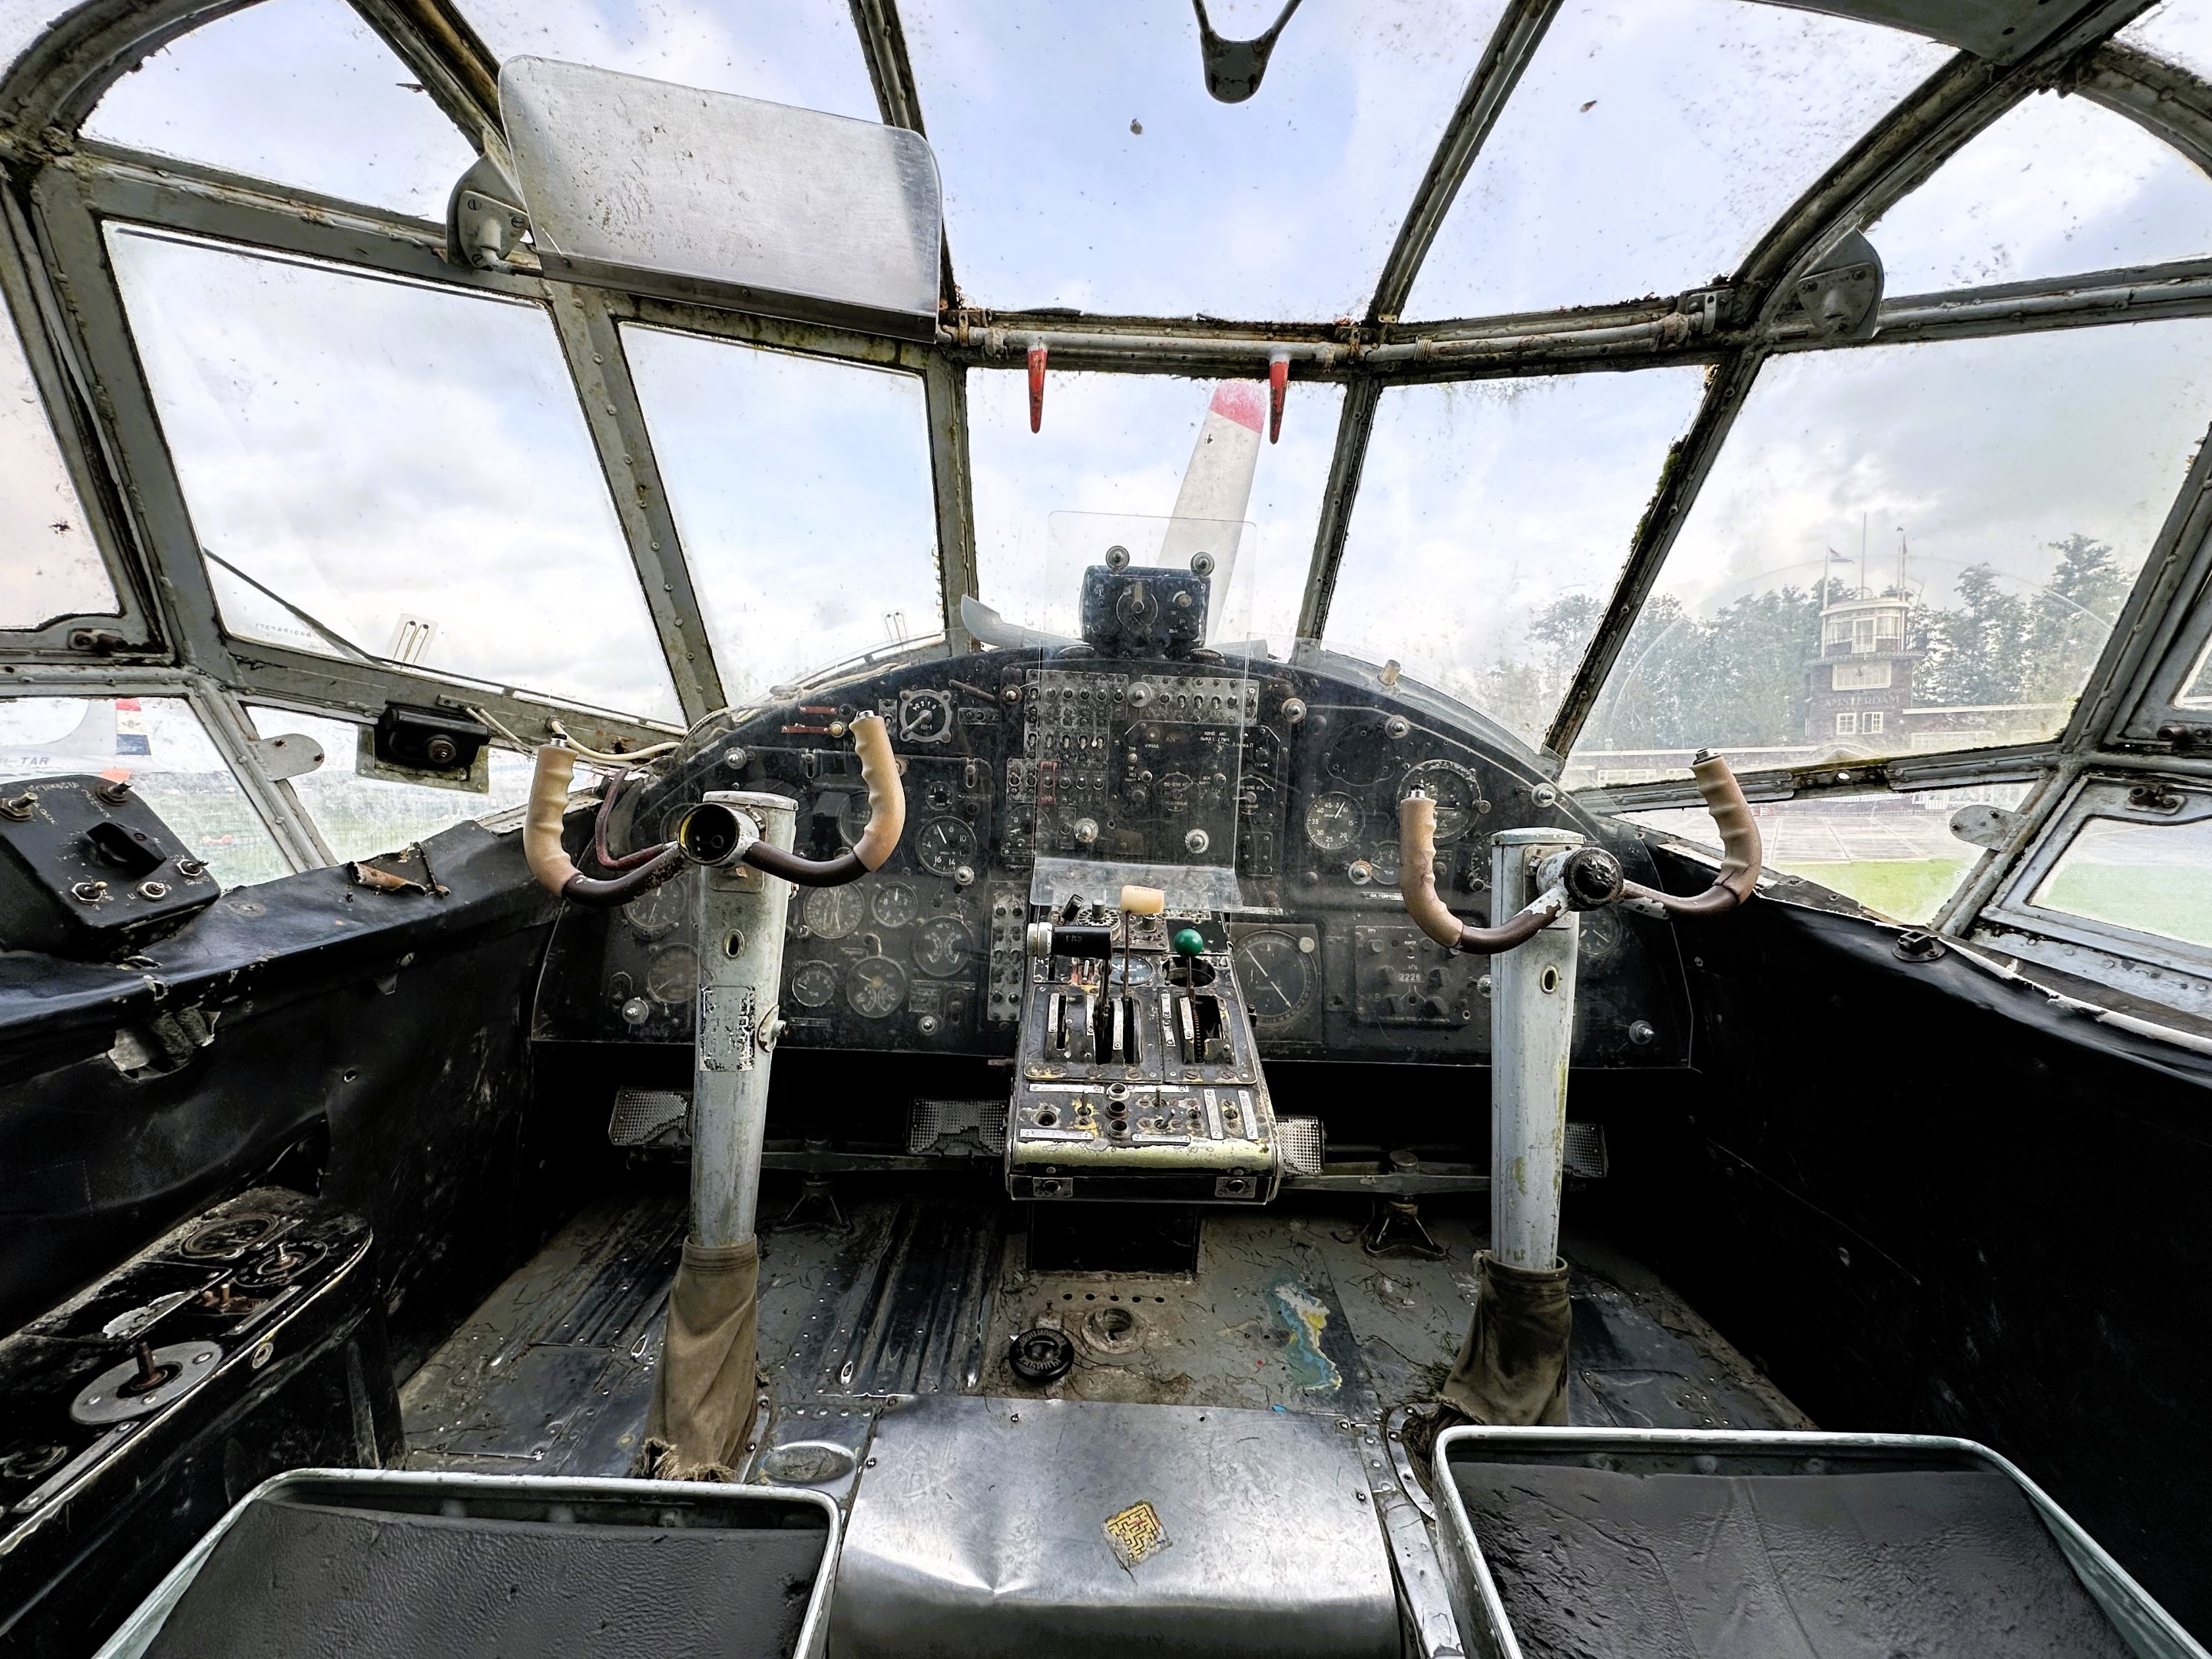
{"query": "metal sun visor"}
{"type": "Point", "coordinates": [713, 200]}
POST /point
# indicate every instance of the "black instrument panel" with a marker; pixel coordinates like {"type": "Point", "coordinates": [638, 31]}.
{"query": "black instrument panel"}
{"type": "Point", "coordinates": [1010, 756]}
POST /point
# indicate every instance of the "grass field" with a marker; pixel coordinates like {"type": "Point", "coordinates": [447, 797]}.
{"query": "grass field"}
{"type": "Point", "coordinates": [1904, 890]}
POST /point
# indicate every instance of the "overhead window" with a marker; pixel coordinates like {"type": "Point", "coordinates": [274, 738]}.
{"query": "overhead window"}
{"type": "Point", "coordinates": [2055, 187]}
{"type": "Point", "coordinates": [49, 566]}
{"type": "Point", "coordinates": [1996, 495]}
{"type": "Point", "coordinates": [158, 745]}
{"type": "Point", "coordinates": [802, 491]}
{"type": "Point", "coordinates": [1648, 145]}
{"type": "Point", "coordinates": [381, 468]}
{"type": "Point", "coordinates": [1123, 444]}
{"type": "Point", "coordinates": [794, 51]}
{"type": "Point", "coordinates": [1086, 165]}
{"type": "Point", "coordinates": [298, 92]}
{"type": "Point", "coordinates": [361, 817]}
{"type": "Point", "coordinates": [1491, 523]}
{"type": "Point", "coordinates": [2179, 30]}
{"type": "Point", "coordinates": [1896, 855]}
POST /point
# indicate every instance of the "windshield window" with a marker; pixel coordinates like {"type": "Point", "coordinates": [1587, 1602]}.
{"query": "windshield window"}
{"type": "Point", "coordinates": [1492, 520]}
{"type": "Point", "coordinates": [2056, 186]}
{"type": "Point", "coordinates": [159, 745]}
{"type": "Point", "coordinates": [802, 489]}
{"type": "Point", "coordinates": [51, 565]}
{"type": "Point", "coordinates": [300, 92]}
{"type": "Point", "coordinates": [2153, 878]}
{"type": "Point", "coordinates": [405, 469]}
{"type": "Point", "coordinates": [2179, 30]}
{"type": "Point", "coordinates": [1086, 165]}
{"type": "Point", "coordinates": [1905, 548]}
{"type": "Point", "coordinates": [1648, 145]}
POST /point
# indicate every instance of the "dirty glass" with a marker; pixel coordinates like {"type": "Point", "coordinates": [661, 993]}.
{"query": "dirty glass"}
{"type": "Point", "coordinates": [2152, 877]}
{"type": "Point", "coordinates": [1123, 443]}
{"type": "Point", "coordinates": [300, 92]}
{"type": "Point", "coordinates": [361, 817]}
{"type": "Point", "coordinates": [2180, 31]}
{"type": "Point", "coordinates": [1894, 854]}
{"type": "Point", "coordinates": [49, 566]}
{"type": "Point", "coordinates": [1086, 165]}
{"type": "Point", "coordinates": [1492, 520]}
{"type": "Point", "coordinates": [1902, 548]}
{"type": "Point", "coordinates": [802, 491]}
{"type": "Point", "coordinates": [160, 747]}
{"type": "Point", "coordinates": [400, 468]}
{"type": "Point", "coordinates": [2055, 187]}
{"type": "Point", "coordinates": [794, 51]}
{"type": "Point", "coordinates": [1648, 145]}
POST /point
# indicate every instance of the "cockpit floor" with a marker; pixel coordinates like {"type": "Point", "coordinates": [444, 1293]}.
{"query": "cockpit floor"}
{"type": "Point", "coordinates": [921, 1294]}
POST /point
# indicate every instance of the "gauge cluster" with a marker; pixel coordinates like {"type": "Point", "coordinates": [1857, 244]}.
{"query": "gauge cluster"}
{"type": "Point", "coordinates": [1289, 775]}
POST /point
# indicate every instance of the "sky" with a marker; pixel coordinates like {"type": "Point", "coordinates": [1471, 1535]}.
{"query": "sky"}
{"type": "Point", "coordinates": [52, 565]}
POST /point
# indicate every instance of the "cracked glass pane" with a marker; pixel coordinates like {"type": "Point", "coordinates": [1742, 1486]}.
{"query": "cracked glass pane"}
{"type": "Point", "coordinates": [298, 92]}
{"type": "Point", "coordinates": [377, 468]}
{"type": "Point", "coordinates": [1907, 548]}
{"type": "Point", "coordinates": [795, 52]}
{"type": "Point", "coordinates": [2056, 186]}
{"type": "Point", "coordinates": [803, 492]}
{"type": "Point", "coordinates": [160, 747]}
{"type": "Point", "coordinates": [1492, 520]}
{"type": "Point", "coordinates": [50, 566]}
{"type": "Point", "coordinates": [1123, 444]}
{"type": "Point", "coordinates": [1086, 164]}
{"type": "Point", "coordinates": [1650, 145]}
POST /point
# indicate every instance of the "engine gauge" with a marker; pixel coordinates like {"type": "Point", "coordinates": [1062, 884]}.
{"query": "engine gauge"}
{"type": "Point", "coordinates": [813, 984]}
{"type": "Point", "coordinates": [1334, 822]}
{"type": "Point", "coordinates": [1454, 789]}
{"type": "Point", "coordinates": [833, 912]}
{"type": "Point", "coordinates": [924, 717]}
{"type": "Point", "coordinates": [1382, 863]}
{"type": "Point", "coordinates": [673, 974]}
{"type": "Point", "coordinates": [894, 905]}
{"type": "Point", "coordinates": [877, 987]}
{"type": "Point", "coordinates": [1277, 972]}
{"type": "Point", "coordinates": [940, 947]}
{"type": "Point", "coordinates": [944, 846]}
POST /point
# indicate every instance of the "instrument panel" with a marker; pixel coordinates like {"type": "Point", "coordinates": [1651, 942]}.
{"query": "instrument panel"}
{"type": "Point", "coordinates": [1289, 774]}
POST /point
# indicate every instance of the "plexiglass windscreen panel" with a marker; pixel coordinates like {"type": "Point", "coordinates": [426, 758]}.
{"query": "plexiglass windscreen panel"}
{"type": "Point", "coordinates": [1650, 144]}
{"type": "Point", "coordinates": [399, 468]}
{"type": "Point", "coordinates": [1491, 524]}
{"type": "Point", "coordinates": [801, 487]}
{"type": "Point", "coordinates": [1907, 548]}
{"type": "Point", "coordinates": [298, 92]}
{"type": "Point", "coordinates": [1086, 165]}
{"type": "Point", "coordinates": [2179, 30]}
{"type": "Point", "coordinates": [2055, 187]}
{"type": "Point", "coordinates": [158, 745]}
{"type": "Point", "coordinates": [2153, 878]}
{"type": "Point", "coordinates": [50, 566]}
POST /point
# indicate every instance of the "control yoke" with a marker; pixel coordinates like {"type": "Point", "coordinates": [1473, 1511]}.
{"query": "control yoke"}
{"type": "Point", "coordinates": [1585, 878]}
{"type": "Point", "coordinates": [711, 833]}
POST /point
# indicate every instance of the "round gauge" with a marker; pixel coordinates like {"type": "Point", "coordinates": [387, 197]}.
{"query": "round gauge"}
{"type": "Point", "coordinates": [1276, 970]}
{"type": "Point", "coordinates": [1383, 862]}
{"type": "Point", "coordinates": [1455, 790]}
{"type": "Point", "coordinates": [852, 820]}
{"type": "Point", "coordinates": [673, 976]}
{"type": "Point", "coordinates": [877, 987]}
{"type": "Point", "coordinates": [944, 845]}
{"type": "Point", "coordinates": [1363, 756]}
{"type": "Point", "coordinates": [894, 905]}
{"type": "Point", "coordinates": [651, 914]}
{"type": "Point", "coordinates": [925, 717]}
{"type": "Point", "coordinates": [940, 947]}
{"type": "Point", "coordinates": [1334, 822]}
{"type": "Point", "coordinates": [813, 984]}
{"type": "Point", "coordinates": [833, 912]}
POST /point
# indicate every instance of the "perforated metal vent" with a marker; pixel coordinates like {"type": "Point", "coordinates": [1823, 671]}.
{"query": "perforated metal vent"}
{"type": "Point", "coordinates": [956, 1129]}
{"type": "Point", "coordinates": [1586, 1150]}
{"type": "Point", "coordinates": [651, 1117]}
{"type": "Point", "coordinates": [1303, 1146]}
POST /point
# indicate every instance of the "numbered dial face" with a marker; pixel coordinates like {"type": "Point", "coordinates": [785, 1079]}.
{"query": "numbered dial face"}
{"type": "Point", "coordinates": [1277, 972]}
{"type": "Point", "coordinates": [941, 947]}
{"type": "Point", "coordinates": [1455, 790]}
{"type": "Point", "coordinates": [673, 976]}
{"type": "Point", "coordinates": [833, 912]}
{"type": "Point", "coordinates": [894, 905]}
{"type": "Point", "coordinates": [813, 984]}
{"type": "Point", "coordinates": [877, 987]}
{"type": "Point", "coordinates": [1383, 862]}
{"type": "Point", "coordinates": [1334, 822]}
{"type": "Point", "coordinates": [944, 846]}
{"type": "Point", "coordinates": [925, 717]}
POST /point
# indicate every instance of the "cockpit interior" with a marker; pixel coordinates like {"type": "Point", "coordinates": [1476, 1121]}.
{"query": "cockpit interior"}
{"type": "Point", "coordinates": [907, 827]}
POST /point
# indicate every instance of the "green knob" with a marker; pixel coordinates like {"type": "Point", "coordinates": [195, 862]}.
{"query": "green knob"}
{"type": "Point", "coordinates": [1188, 942]}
